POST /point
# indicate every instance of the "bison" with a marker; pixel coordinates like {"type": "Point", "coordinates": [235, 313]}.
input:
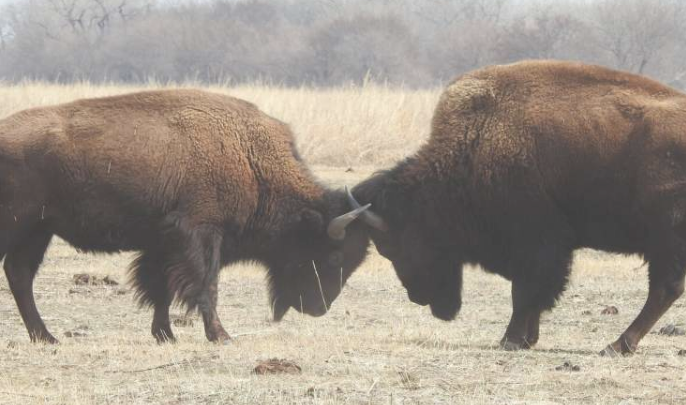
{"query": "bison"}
{"type": "Point", "coordinates": [525, 164]}
{"type": "Point", "coordinates": [194, 181]}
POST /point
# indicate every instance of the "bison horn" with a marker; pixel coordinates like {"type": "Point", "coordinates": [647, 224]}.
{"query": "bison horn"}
{"type": "Point", "coordinates": [369, 217]}
{"type": "Point", "coordinates": [336, 228]}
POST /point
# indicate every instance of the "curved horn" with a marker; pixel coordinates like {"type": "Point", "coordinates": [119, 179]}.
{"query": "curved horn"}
{"type": "Point", "coordinates": [336, 228]}
{"type": "Point", "coordinates": [351, 199]}
{"type": "Point", "coordinates": [369, 217]}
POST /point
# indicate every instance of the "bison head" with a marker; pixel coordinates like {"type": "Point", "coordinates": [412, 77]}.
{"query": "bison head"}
{"type": "Point", "coordinates": [430, 274]}
{"type": "Point", "coordinates": [316, 257]}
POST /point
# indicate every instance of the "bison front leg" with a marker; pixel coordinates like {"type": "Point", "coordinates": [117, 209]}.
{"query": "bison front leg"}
{"type": "Point", "coordinates": [534, 292]}
{"type": "Point", "coordinates": [21, 266]}
{"type": "Point", "coordinates": [214, 331]}
{"type": "Point", "coordinates": [666, 283]}
{"type": "Point", "coordinates": [193, 268]}
{"type": "Point", "coordinates": [522, 333]}
{"type": "Point", "coordinates": [188, 262]}
{"type": "Point", "coordinates": [153, 289]}
{"type": "Point", "coordinates": [517, 333]}
{"type": "Point", "coordinates": [532, 328]}
{"type": "Point", "coordinates": [210, 241]}
{"type": "Point", "coordinates": [161, 325]}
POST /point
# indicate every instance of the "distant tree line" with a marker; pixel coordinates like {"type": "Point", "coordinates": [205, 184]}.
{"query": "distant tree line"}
{"type": "Point", "coordinates": [331, 42]}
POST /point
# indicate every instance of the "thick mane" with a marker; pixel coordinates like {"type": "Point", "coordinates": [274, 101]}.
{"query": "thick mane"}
{"type": "Point", "coordinates": [387, 191]}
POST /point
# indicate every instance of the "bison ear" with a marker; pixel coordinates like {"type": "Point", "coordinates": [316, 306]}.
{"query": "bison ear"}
{"type": "Point", "coordinates": [311, 219]}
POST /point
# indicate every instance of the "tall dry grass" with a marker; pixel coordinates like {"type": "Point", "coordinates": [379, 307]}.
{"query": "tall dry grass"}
{"type": "Point", "coordinates": [369, 125]}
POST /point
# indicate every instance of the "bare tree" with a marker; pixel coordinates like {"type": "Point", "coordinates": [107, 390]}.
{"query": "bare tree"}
{"type": "Point", "coordinates": [352, 49]}
{"type": "Point", "coordinates": [542, 36]}
{"type": "Point", "coordinates": [633, 32]}
{"type": "Point", "coordinates": [62, 39]}
{"type": "Point", "coordinates": [445, 13]}
{"type": "Point", "coordinates": [85, 17]}
{"type": "Point", "coordinates": [5, 30]}
{"type": "Point", "coordinates": [328, 42]}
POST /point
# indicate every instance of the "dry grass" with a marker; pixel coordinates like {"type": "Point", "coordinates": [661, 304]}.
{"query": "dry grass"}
{"type": "Point", "coordinates": [373, 347]}
{"type": "Point", "coordinates": [374, 125]}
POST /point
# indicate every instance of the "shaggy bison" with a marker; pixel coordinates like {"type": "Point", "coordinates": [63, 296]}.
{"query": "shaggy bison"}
{"type": "Point", "coordinates": [194, 181]}
{"type": "Point", "coordinates": [526, 163]}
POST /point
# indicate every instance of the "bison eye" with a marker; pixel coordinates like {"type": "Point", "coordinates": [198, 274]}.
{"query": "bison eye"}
{"type": "Point", "coordinates": [336, 258]}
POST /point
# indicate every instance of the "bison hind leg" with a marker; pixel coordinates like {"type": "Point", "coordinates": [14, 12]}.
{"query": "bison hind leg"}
{"type": "Point", "coordinates": [21, 265]}
{"type": "Point", "coordinates": [666, 271]}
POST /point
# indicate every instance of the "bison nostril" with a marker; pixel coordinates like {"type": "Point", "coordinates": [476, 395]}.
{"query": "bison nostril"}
{"type": "Point", "coordinates": [336, 259]}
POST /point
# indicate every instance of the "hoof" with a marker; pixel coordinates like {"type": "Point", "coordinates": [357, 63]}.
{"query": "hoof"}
{"type": "Point", "coordinates": [220, 338]}
{"type": "Point", "coordinates": [609, 352]}
{"type": "Point", "coordinates": [45, 339]}
{"type": "Point", "coordinates": [510, 346]}
{"type": "Point", "coordinates": [164, 337]}
{"type": "Point", "coordinates": [165, 340]}
{"type": "Point", "coordinates": [530, 342]}
{"type": "Point", "coordinates": [617, 349]}
{"type": "Point", "coordinates": [223, 340]}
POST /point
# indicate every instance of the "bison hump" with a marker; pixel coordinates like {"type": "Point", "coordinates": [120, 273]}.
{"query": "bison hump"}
{"type": "Point", "coordinates": [469, 95]}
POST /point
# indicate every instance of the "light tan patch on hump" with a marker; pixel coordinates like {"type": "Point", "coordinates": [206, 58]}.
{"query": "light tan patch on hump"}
{"type": "Point", "coordinates": [667, 121]}
{"type": "Point", "coordinates": [469, 94]}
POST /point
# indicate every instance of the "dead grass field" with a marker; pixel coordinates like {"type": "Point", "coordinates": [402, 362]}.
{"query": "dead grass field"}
{"type": "Point", "coordinates": [373, 125]}
{"type": "Point", "coordinates": [374, 347]}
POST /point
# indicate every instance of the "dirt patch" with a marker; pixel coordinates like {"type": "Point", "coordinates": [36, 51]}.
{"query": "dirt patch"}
{"type": "Point", "coordinates": [276, 366]}
{"type": "Point", "coordinates": [671, 330]}
{"type": "Point", "coordinates": [79, 331]}
{"type": "Point", "coordinates": [609, 310]}
{"type": "Point", "coordinates": [182, 321]}
{"type": "Point", "coordinates": [568, 366]}
{"type": "Point", "coordinates": [87, 279]}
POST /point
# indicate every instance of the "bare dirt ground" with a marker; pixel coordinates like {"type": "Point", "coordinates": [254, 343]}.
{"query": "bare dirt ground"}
{"type": "Point", "coordinates": [373, 347]}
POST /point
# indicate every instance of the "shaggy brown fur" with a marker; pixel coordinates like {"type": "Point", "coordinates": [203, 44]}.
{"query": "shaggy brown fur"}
{"type": "Point", "coordinates": [526, 163]}
{"type": "Point", "coordinates": [193, 180]}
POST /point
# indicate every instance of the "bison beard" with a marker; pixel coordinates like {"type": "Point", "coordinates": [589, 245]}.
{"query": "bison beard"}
{"type": "Point", "coordinates": [443, 296]}
{"type": "Point", "coordinates": [193, 181]}
{"type": "Point", "coordinates": [440, 287]}
{"type": "Point", "coordinates": [525, 164]}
